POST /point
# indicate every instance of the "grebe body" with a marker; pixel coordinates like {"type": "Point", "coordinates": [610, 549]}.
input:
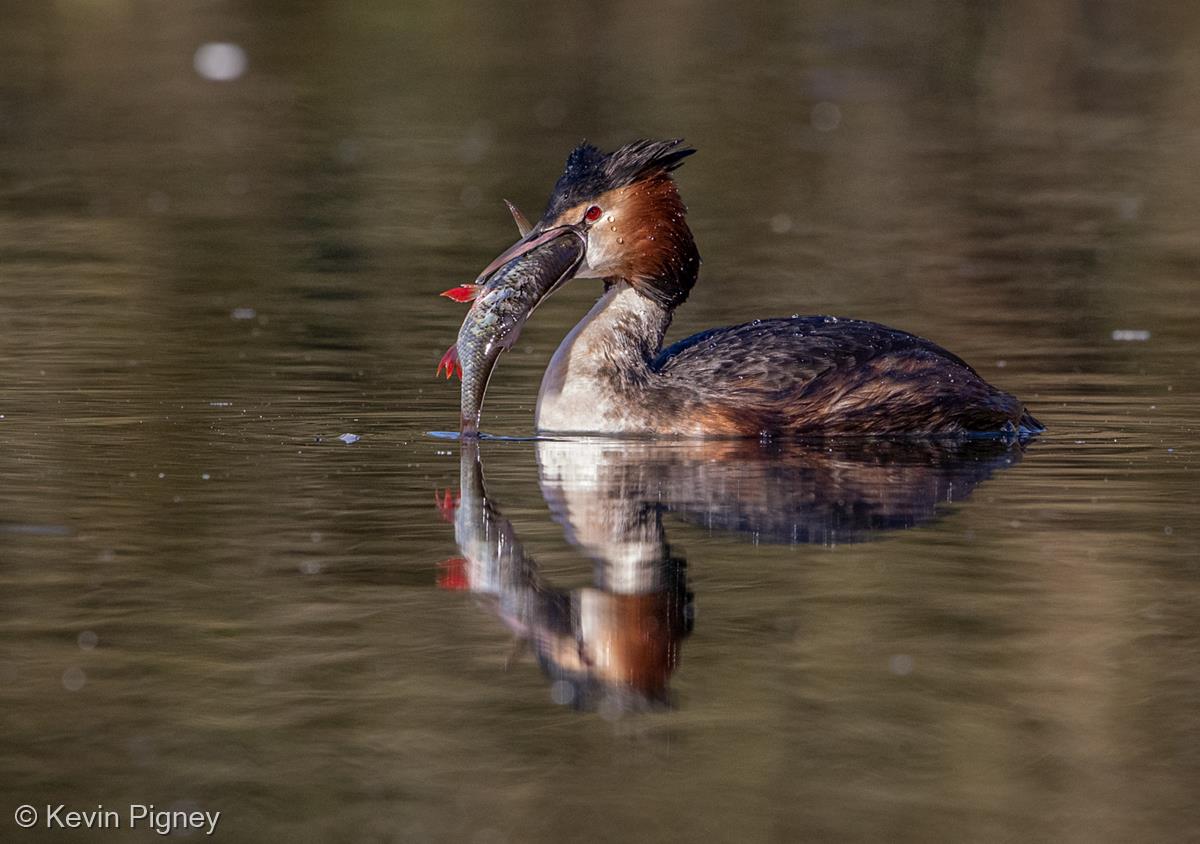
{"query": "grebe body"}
{"type": "Point", "coordinates": [800, 375]}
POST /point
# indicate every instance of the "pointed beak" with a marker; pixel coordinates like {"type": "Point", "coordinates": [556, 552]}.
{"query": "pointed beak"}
{"type": "Point", "coordinates": [535, 238]}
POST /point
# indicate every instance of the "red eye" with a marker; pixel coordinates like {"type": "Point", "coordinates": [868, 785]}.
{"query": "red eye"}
{"type": "Point", "coordinates": [593, 214]}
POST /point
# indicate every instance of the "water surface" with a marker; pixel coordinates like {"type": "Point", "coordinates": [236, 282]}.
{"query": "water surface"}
{"type": "Point", "coordinates": [209, 599]}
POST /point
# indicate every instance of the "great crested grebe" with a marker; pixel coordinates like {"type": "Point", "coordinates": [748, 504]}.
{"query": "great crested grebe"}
{"type": "Point", "coordinates": [800, 375]}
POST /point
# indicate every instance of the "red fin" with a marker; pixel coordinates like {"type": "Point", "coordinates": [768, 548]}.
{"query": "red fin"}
{"type": "Point", "coordinates": [446, 504]}
{"type": "Point", "coordinates": [462, 293]}
{"type": "Point", "coordinates": [450, 363]}
{"type": "Point", "coordinates": [452, 574]}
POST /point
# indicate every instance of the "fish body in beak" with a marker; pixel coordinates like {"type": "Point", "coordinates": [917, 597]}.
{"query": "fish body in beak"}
{"type": "Point", "coordinates": [509, 290]}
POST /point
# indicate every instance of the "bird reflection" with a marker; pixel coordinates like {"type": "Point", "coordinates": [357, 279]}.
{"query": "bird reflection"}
{"type": "Point", "coordinates": [614, 645]}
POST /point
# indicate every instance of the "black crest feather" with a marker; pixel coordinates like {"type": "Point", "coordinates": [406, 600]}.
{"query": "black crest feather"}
{"type": "Point", "coordinates": [590, 172]}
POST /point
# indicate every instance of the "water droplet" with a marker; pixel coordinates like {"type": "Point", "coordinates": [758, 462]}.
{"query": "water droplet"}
{"type": "Point", "coordinates": [220, 62]}
{"type": "Point", "coordinates": [562, 692]}
{"type": "Point", "coordinates": [826, 117]}
{"type": "Point", "coordinates": [73, 679]}
{"type": "Point", "coordinates": [158, 202]}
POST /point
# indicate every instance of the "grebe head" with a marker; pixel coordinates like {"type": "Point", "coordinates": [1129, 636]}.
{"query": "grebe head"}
{"type": "Point", "coordinates": [626, 208]}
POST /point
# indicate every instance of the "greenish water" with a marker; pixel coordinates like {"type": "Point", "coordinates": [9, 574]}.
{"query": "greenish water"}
{"type": "Point", "coordinates": [208, 600]}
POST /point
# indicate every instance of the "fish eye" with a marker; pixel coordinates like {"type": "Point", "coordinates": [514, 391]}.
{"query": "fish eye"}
{"type": "Point", "coordinates": [593, 214]}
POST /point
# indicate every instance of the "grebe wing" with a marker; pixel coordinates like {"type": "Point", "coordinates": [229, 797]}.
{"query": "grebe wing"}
{"type": "Point", "coordinates": [829, 375]}
{"type": "Point", "coordinates": [777, 356]}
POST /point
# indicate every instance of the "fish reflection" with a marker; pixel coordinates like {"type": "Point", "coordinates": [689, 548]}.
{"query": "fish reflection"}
{"type": "Point", "coordinates": [614, 645]}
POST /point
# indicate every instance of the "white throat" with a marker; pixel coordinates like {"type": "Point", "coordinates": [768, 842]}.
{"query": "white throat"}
{"type": "Point", "coordinates": [579, 393]}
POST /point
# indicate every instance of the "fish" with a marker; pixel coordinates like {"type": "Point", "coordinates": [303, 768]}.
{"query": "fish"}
{"type": "Point", "coordinates": [501, 301]}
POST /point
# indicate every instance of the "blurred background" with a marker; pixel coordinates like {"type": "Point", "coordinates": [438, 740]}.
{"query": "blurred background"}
{"type": "Point", "coordinates": [223, 226]}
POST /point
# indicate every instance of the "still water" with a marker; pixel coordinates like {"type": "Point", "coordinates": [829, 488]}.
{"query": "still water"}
{"type": "Point", "coordinates": [212, 599]}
